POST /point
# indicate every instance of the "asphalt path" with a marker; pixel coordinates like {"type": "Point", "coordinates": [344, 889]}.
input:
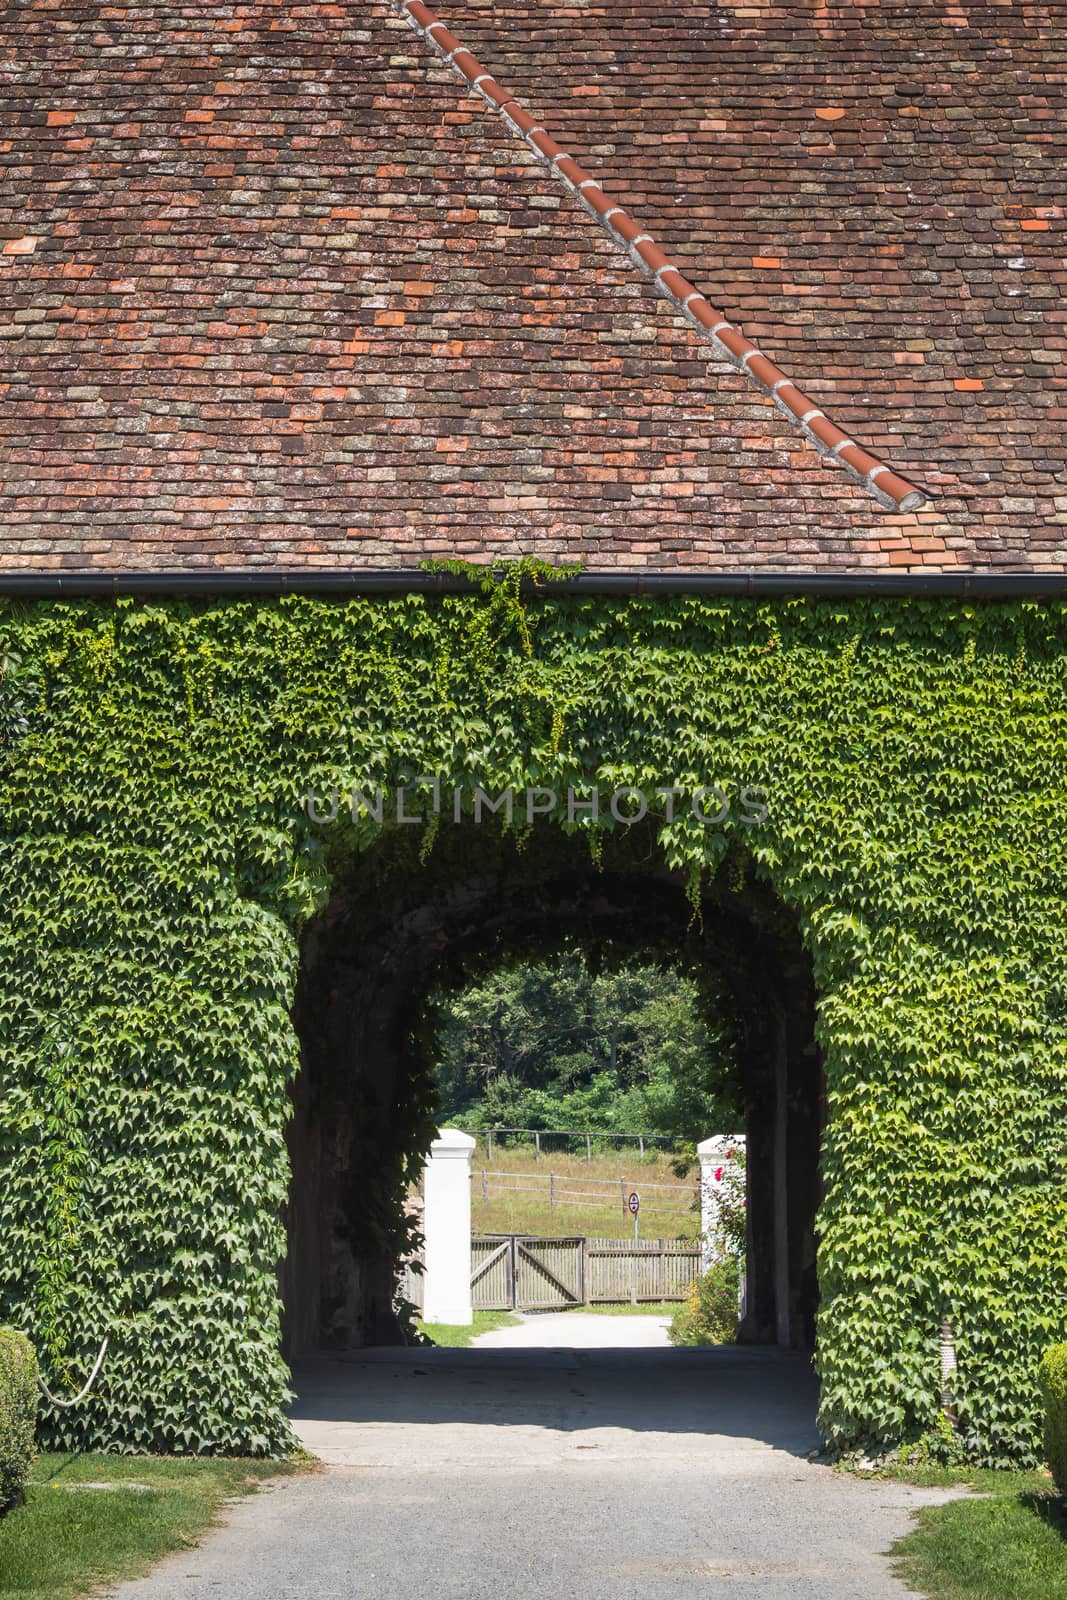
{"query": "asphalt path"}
{"type": "Point", "coordinates": [522, 1470]}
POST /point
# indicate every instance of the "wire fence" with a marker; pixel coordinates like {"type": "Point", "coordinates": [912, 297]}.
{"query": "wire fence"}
{"type": "Point", "coordinates": [569, 1141]}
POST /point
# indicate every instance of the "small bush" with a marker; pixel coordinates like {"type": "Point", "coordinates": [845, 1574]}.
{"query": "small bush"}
{"type": "Point", "coordinates": [939, 1446]}
{"type": "Point", "coordinates": [18, 1413]}
{"type": "Point", "coordinates": [1054, 1393]}
{"type": "Point", "coordinates": [709, 1313]}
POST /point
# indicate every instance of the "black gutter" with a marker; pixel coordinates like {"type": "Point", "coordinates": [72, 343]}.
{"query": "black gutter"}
{"type": "Point", "coordinates": [57, 585]}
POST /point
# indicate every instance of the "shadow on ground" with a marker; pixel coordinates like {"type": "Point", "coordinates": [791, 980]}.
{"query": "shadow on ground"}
{"type": "Point", "coordinates": [1051, 1508]}
{"type": "Point", "coordinates": [541, 1399]}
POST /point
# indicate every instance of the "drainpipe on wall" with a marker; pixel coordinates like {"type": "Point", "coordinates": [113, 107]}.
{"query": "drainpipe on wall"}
{"type": "Point", "coordinates": [948, 1371]}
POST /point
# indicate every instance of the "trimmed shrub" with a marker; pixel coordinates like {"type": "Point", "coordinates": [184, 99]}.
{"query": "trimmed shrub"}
{"type": "Point", "coordinates": [18, 1413]}
{"type": "Point", "coordinates": [709, 1313]}
{"type": "Point", "coordinates": [1054, 1393]}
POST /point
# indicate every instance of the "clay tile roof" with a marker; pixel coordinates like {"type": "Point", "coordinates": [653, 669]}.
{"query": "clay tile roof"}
{"type": "Point", "coordinates": [284, 288]}
{"type": "Point", "coordinates": [887, 487]}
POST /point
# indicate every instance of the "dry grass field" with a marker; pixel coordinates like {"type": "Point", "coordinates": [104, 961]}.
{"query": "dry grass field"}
{"type": "Point", "coordinates": [565, 1195]}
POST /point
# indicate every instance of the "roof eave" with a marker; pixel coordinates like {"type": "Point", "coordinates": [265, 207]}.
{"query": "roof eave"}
{"type": "Point", "coordinates": [252, 582]}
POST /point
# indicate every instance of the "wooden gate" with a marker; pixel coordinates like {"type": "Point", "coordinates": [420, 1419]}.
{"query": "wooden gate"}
{"type": "Point", "coordinates": [517, 1273]}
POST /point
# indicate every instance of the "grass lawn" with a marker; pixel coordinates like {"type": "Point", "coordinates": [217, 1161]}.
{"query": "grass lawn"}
{"type": "Point", "coordinates": [69, 1538]}
{"type": "Point", "coordinates": [623, 1308]}
{"type": "Point", "coordinates": [452, 1337]}
{"type": "Point", "coordinates": [512, 1194]}
{"type": "Point", "coordinates": [1005, 1541]}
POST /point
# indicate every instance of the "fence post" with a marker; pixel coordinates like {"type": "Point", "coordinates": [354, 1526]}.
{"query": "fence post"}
{"type": "Point", "coordinates": [589, 1147]}
{"type": "Point", "coordinates": [489, 1144]}
{"type": "Point", "coordinates": [640, 1144]}
{"type": "Point", "coordinates": [552, 1191]}
{"type": "Point", "coordinates": [537, 1146]}
{"type": "Point", "coordinates": [485, 1184]}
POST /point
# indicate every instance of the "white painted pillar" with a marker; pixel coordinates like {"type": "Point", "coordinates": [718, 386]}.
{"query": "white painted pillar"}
{"type": "Point", "coordinates": [446, 1227]}
{"type": "Point", "coordinates": [713, 1160]}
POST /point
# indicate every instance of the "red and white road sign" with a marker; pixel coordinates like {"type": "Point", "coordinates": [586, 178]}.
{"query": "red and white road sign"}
{"type": "Point", "coordinates": [634, 1203]}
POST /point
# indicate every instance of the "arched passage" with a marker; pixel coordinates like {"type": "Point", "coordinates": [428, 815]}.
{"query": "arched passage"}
{"type": "Point", "coordinates": [363, 1104]}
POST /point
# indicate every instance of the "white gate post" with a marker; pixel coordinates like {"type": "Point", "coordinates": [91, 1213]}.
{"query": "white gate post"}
{"type": "Point", "coordinates": [446, 1226]}
{"type": "Point", "coordinates": [713, 1158]}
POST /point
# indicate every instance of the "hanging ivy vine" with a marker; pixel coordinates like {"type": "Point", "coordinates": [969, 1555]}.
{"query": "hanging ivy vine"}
{"type": "Point", "coordinates": [158, 865]}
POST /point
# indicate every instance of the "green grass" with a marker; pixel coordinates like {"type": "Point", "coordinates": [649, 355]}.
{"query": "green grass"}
{"type": "Point", "coordinates": [623, 1308]}
{"type": "Point", "coordinates": [449, 1336]}
{"type": "Point", "coordinates": [1007, 1541]}
{"type": "Point", "coordinates": [513, 1195]}
{"type": "Point", "coordinates": [68, 1539]}
{"type": "Point", "coordinates": [981, 1479]}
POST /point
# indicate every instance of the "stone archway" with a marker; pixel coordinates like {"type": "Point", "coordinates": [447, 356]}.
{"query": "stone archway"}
{"type": "Point", "coordinates": [392, 931]}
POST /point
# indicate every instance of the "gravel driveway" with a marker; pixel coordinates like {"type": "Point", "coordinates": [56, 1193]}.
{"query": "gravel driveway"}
{"type": "Point", "coordinates": [517, 1472]}
{"type": "Point", "coordinates": [577, 1330]}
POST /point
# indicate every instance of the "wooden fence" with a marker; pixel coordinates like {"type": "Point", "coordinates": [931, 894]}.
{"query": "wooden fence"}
{"type": "Point", "coordinates": [516, 1272]}
{"type": "Point", "coordinates": [650, 1269]}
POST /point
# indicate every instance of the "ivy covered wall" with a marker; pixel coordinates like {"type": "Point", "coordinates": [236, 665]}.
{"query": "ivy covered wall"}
{"type": "Point", "coordinates": [157, 866]}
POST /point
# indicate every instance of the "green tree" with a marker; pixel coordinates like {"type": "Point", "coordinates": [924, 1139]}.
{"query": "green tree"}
{"type": "Point", "coordinates": [553, 1044]}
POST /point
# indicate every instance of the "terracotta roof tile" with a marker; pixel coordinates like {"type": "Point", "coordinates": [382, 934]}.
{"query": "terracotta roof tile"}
{"type": "Point", "coordinates": [887, 487]}
{"type": "Point", "coordinates": [342, 315]}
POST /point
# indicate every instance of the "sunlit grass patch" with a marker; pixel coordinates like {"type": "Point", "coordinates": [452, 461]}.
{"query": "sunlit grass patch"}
{"type": "Point", "coordinates": [92, 1519]}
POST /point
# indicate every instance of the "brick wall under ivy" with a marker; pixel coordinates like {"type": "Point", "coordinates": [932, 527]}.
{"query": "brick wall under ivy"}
{"type": "Point", "coordinates": [158, 868]}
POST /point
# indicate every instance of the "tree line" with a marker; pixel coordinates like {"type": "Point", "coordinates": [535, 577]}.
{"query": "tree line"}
{"type": "Point", "coordinates": [553, 1044]}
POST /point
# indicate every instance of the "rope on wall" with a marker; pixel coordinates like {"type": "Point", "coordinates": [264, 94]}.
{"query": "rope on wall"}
{"type": "Point", "coordinates": [66, 1405]}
